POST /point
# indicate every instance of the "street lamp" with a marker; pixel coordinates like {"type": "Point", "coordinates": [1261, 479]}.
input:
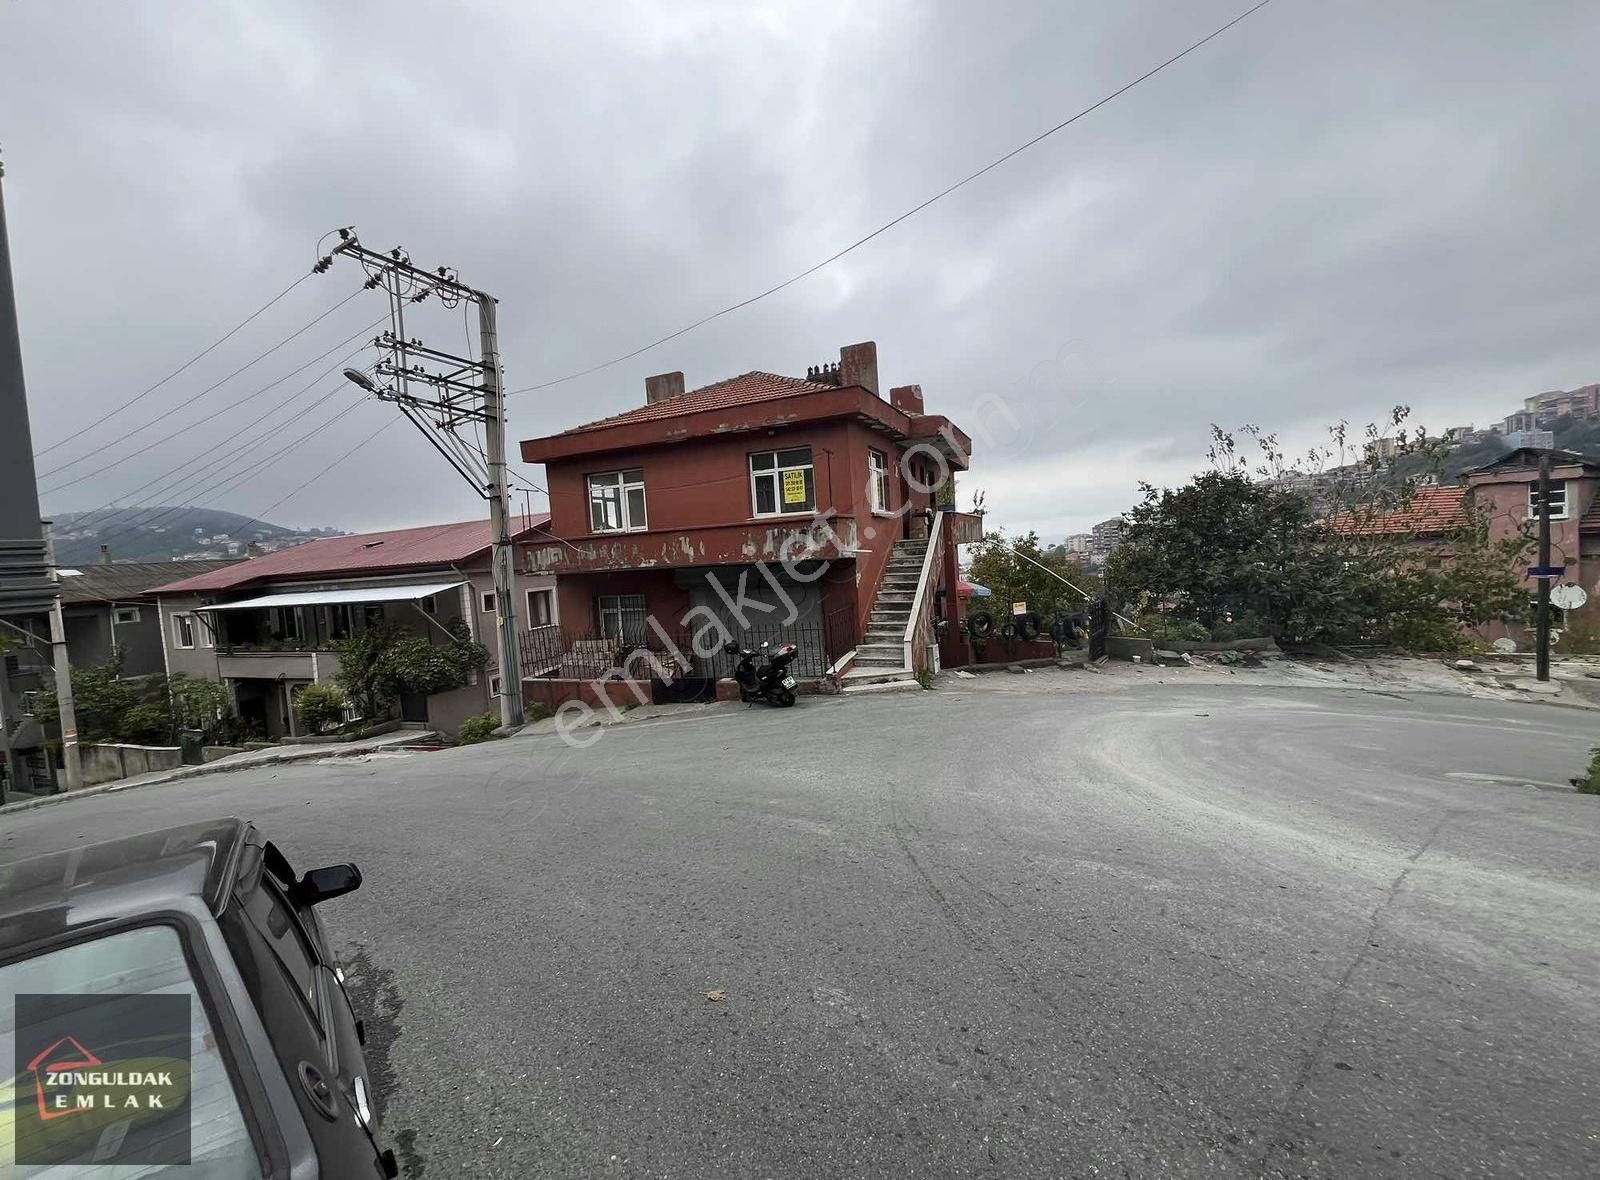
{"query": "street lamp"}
{"type": "Point", "coordinates": [359, 377]}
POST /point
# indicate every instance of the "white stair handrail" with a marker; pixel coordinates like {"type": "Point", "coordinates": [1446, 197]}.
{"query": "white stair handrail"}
{"type": "Point", "coordinates": [935, 535]}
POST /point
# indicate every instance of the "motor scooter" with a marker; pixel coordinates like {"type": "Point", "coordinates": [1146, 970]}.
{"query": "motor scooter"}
{"type": "Point", "coordinates": [770, 682]}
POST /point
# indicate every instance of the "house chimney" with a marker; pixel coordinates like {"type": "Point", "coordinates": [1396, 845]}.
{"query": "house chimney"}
{"type": "Point", "coordinates": [858, 365]}
{"type": "Point", "coordinates": [662, 387]}
{"type": "Point", "coordinates": [252, 550]}
{"type": "Point", "coordinates": [906, 398]}
{"type": "Point", "coordinates": [105, 555]}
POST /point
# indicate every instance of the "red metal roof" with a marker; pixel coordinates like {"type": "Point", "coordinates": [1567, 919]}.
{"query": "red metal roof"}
{"type": "Point", "coordinates": [735, 391]}
{"type": "Point", "coordinates": [1432, 510]}
{"type": "Point", "coordinates": [363, 553]}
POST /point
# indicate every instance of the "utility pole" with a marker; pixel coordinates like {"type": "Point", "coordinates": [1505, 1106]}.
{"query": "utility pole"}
{"type": "Point", "coordinates": [67, 714]}
{"type": "Point", "coordinates": [502, 556]}
{"type": "Point", "coordinates": [463, 391]}
{"type": "Point", "coordinates": [1542, 623]}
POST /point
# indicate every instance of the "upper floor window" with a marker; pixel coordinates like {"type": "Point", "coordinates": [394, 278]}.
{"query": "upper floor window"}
{"type": "Point", "coordinates": [1558, 500]}
{"type": "Point", "coordinates": [125, 614]}
{"type": "Point", "coordinates": [877, 481]}
{"type": "Point", "coordinates": [183, 630]}
{"type": "Point", "coordinates": [782, 482]}
{"type": "Point", "coordinates": [616, 502]}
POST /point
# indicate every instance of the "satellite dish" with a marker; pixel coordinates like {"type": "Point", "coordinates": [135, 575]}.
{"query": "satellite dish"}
{"type": "Point", "coordinates": [1505, 646]}
{"type": "Point", "coordinates": [1568, 596]}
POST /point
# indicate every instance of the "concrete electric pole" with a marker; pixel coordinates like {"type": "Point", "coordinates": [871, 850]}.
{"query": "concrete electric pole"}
{"type": "Point", "coordinates": [463, 391]}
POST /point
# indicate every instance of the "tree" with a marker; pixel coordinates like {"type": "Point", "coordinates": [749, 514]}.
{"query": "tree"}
{"type": "Point", "coordinates": [384, 661]}
{"type": "Point", "coordinates": [110, 708]}
{"type": "Point", "coordinates": [206, 705]}
{"type": "Point", "coordinates": [1321, 552]}
{"type": "Point", "coordinates": [1011, 569]}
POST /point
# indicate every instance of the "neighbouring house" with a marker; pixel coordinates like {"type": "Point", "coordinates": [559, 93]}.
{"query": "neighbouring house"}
{"type": "Point", "coordinates": [782, 507]}
{"type": "Point", "coordinates": [1506, 492]}
{"type": "Point", "coordinates": [266, 626]}
{"type": "Point", "coordinates": [109, 606]}
{"type": "Point", "coordinates": [1507, 488]}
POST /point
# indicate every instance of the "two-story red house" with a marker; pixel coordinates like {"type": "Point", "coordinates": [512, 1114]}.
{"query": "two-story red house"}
{"type": "Point", "coordinates": [779, 506]}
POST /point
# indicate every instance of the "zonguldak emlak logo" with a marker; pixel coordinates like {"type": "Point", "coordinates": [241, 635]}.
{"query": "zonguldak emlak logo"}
{"type": "Point", "coordinates": [67, 1081]}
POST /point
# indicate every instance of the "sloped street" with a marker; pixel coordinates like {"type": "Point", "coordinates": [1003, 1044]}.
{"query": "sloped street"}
{"type": "Point", "coordinates": [1145, 930]}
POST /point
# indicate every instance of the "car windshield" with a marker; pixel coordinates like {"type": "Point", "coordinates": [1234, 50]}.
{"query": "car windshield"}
{"type": "Point", "coordinates": [98, 1077]}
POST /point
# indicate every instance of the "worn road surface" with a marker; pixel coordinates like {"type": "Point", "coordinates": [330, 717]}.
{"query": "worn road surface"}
{"type": "Point", "coordinates": [1150, 931]}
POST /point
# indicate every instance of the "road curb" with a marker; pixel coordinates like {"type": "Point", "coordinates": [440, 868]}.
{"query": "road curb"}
{"type": "Point", "coordinates": [302, 754]}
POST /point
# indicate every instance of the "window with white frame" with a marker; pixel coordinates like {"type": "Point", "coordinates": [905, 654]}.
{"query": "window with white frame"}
{"type": "Point", "coordinates": [878, 481]}
{"type": "Point", "coordinates": [621, 616]}
{"type": "Point", "coordinates": [616, 502]}
{"type": "Point", "coordinates": [126, 614]}
{"type": "Point", "coordinates": [1558, 500]}
{"type": "Point", "coordinates": [541, 608]}
{"type": "Point", "coordinates": [182, 630]}
{"type": "Point", "coordinates": [782, 482]}
{"type": "Point", "coordinates": [203, 632]}
{"type": "Point", "coordinates": [494, 686]}
{"type": "Point", "coordinates": [488, 602]}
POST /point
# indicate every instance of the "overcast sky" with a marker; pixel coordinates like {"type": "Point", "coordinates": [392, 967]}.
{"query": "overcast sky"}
{"type": "Point", "coordinates": [1332, 208]}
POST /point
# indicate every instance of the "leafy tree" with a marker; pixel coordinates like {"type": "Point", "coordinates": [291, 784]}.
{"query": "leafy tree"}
{"type": "Point", "coordinates": [1011, 569]}
{"type": "Point", "coordinates": [110, 708]}
{"type": "Point", "coordinates": [206, 705]}
{"type": "Point", "coordinates": [1315, 550]}
{"type": "Point", "coordinates": [384, 661]}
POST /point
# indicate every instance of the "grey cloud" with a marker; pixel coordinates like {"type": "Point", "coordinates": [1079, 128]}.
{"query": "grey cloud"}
{"type": "Point", "coordinates": [1331, 209]}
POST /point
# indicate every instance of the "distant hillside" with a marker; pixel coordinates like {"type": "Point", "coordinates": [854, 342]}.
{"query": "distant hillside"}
{"type": "Point", "coordinates": [160, 534]}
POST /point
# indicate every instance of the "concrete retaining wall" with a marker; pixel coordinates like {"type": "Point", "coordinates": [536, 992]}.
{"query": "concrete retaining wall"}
{"type": "Point", "coordinates": [107, 763]}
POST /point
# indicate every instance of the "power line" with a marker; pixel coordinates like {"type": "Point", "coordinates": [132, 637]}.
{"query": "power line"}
{"type": "Point", "coordinates": [888, 225]}
{"type": "Point", "coordinates": [210, 459]}
{"type": "Point", "coordinates": [234, 479]}
{"type": "Point", "coordinates": [214, 385]}
{"type": "Point", "coordinates": [327, 468]}
{"type": "Point", "coordinates": [151, 510]}
{"type": "Point", "coordinates": [197, 356]}
{"type": "Point", "coordinates": [168, 437]}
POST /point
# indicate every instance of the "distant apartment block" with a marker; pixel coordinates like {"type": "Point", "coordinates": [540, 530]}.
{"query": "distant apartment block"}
{"type": "Point", "coordinates": [1105, 537]}
{"type": "Point", "coordinates": [1078, 543]}
{"type": "Point", "coordinates": [1541, 410]}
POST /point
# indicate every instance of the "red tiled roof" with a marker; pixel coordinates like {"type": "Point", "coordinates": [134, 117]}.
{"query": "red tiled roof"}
{"type": "Point", "coordinates": [735, 391]}
{"type": "Point", "coordinates": [1432, 510]}
{"type": "Point", "coordinates": [364, 553]}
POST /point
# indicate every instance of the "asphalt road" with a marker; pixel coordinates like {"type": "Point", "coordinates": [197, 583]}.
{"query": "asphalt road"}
{"type": "Point", "coordinates": [1150, 932]}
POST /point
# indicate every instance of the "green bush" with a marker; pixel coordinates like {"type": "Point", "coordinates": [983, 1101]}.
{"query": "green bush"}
{"type": "Point", "coordinates": [1160, 628]}
{"type": "Point", "coordinates": [320, 707]}
{"type": "Point", "coordinates": [537, 711]}
{"type": "Point", "coordinates": [1589, 784]}
{"type": "Point", "coordinates": [480, 728]}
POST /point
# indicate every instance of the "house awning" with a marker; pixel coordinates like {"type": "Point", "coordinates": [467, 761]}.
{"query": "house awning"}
{"type": "Point", "coordinates": [362, 594]}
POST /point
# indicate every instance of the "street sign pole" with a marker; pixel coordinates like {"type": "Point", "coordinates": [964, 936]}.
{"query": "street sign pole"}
{"type": "Point", "coordinates": [1542, 624]}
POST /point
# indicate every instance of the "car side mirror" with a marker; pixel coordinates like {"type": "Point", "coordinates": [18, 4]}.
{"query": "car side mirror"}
{"type": "Point", "coordinates": [318, 885]}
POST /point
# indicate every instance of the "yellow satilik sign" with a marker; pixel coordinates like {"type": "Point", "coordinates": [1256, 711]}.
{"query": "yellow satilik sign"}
{"type": "Point", "coordinates": [794, 487]}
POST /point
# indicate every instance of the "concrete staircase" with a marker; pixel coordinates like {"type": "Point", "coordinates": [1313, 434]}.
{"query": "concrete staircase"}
{"type": "Point", "coordinates": [880, 664]}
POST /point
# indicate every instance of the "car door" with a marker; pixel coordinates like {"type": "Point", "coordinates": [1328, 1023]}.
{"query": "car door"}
{"type": "Point", "coordinates": [306, 1015]}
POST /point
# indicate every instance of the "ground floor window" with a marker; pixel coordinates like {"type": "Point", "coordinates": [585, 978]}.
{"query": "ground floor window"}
{"type": "Point", "coordinates": [621, 616]}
